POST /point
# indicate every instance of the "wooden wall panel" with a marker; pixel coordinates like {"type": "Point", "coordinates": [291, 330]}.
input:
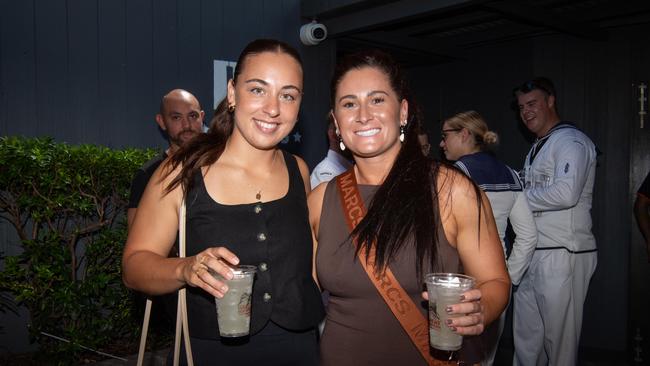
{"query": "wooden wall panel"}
{"type": "Point", "coordinates": [52, 107]}
{"type": "Point", "coordinates": [291, 30]}
{"type": "Point", "coordinates": [238, 30]}
{"type": "Point", "coordinates": [212, 18]}
{"type": "Point", "coordinates": [82, 69]}
{"type": "Point", "coordinates": [165, 46]}
{"type": "Point", "coordinates": [141, 101]}
{"type": "Point", "coordinates": [604, 106]}
{"type": "Point", "coordinates": [189, 45]}
{"type": "Point", "coordinates": [18, 69]}
{"type": "Point", "coordinates": [111, 123]}
{"type": "Point", "coordinates": [3, 97]}
{"type": "Point", "coordinates": [639, 143]}
{"type": "Point", "coordinates": [272, 10]}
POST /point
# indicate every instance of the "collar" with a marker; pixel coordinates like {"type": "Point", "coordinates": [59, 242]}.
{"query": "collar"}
{"type": "Point", "coordinates": [559, 126]}
{"type": "Point", "coordinates": [338, 158]}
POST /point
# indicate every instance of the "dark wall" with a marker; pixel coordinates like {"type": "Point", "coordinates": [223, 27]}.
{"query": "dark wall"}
{"type": "Point", "coordinates": [93, 71]}
{"type": "Point", "coordinates": [595, 90]}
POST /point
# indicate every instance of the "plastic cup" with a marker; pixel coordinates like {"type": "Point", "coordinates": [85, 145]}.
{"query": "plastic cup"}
{"type": "Point", "coordinates": [445, 289]}
{"type": "Point", "coordinates": [234, 309]}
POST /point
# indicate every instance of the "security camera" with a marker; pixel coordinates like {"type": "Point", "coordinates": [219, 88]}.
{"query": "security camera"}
{"type": "Point", "coordinates": [313, 33]}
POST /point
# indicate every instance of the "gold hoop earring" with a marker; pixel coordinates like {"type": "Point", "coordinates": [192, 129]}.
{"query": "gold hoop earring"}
{"type": "Point", "coordinates": [231, 108]}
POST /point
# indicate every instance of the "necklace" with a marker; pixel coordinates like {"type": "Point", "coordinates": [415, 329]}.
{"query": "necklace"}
{"type": "Point", "coordinates": [258, 195]}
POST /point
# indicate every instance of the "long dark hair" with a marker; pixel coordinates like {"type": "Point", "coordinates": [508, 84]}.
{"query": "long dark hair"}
{"type": "Point", "coordinates": [406, 204]}
{"type": "Point", "coordinates": [206, 148]}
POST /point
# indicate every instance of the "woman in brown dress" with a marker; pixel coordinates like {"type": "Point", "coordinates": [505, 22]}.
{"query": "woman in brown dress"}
{"type": "Point", "coordinates": [422, 216]}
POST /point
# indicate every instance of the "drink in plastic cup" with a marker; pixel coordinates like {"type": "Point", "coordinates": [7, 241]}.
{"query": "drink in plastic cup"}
{"type": "Point", "coordinates": [445, 289]}
{"type": "Point", "coordinates": [234, 309]}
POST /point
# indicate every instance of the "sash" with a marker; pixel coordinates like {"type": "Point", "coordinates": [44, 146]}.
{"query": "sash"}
{"type": "Point", "coordinates": [399, 302]}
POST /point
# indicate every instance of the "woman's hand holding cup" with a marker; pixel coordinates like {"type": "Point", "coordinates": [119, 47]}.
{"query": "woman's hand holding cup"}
{"type": "Point", "coordinates": [473, 320]}
{"type": "Point", "coordinates": [198, 269]}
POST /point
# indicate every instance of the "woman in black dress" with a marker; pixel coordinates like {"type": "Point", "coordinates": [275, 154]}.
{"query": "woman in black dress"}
{"type": "Point", "coordinates": [246, 204]}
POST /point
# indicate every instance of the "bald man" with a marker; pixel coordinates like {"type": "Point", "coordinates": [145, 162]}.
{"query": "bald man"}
{"type": "Point", "coordinates": [181, 118]}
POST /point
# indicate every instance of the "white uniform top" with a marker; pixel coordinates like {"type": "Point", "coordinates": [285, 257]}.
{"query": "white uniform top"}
{"type": "Point", "coordinates": [559, 173]}
{"type": "Point", "coordinates": [333, 165]}
{"type": "Point", "coordinates": [501, 185]}
{"type": "Point", "coordinates": [513, 206]}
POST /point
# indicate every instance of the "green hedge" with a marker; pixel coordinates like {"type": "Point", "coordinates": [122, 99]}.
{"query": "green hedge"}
{"type": "Point", "coordinates": [67, 204]}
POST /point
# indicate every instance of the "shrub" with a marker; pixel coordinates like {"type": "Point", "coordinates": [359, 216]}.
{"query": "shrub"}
{"type": "Point", "coordinates": [67, 204]}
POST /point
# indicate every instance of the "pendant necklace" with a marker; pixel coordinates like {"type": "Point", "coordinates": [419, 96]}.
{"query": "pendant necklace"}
{"type": "Point", "coordinates": [258, 195]}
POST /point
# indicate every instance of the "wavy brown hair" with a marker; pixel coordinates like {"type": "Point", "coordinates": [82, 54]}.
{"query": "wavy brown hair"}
{"type": "Point", "coordinates": [205, 149]}
{"type": "Point", "coordinates": [406, 203]}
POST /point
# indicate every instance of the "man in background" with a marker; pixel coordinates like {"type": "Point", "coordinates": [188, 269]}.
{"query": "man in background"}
{"type": "Point", "coordinates": [559, 174]}
{"type": "Point", "coordinates": [181, 118]}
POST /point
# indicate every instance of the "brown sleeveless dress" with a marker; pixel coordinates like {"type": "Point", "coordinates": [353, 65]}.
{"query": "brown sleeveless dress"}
{"type": "Point", "coordinates": [360, 329]}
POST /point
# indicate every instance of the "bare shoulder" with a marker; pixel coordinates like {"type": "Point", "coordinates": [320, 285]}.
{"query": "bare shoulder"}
{"type": "Point", "coordinates": [315, 203]}
{"type": "Point", "coordinates": [304, 172]}
{"type": "Point", "coordinates": [304, 169]}
{"type": "Point", "coordinates": [163, 177]}
{"type": "Point", "coordinates": [456, 200]}
{"type": "Point", "coordinates": [452, 182]}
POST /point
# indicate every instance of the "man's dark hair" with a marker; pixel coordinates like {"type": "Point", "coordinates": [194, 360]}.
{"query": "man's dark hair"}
{"type": "Point", "coordinates": [539, 83]}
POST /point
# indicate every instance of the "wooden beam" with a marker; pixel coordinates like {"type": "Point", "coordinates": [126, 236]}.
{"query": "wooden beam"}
{"type": "Point", "coordinates": [371, 18]}
{"type": "Point", "coordinates": [404, 42]}
{"type": "Point", "coordinates": [449, 22]}
{"type": "Point", "coordinates": [322, 9]}
{"type": "Point", "coordinates": [535, 15]}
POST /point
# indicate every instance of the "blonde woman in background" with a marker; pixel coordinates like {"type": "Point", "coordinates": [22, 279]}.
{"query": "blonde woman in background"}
{"type": "Point", "coordinates": [467, 140]}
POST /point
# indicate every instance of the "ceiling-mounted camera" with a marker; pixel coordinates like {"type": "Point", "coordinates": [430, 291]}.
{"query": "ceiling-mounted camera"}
{"type": "Point", "coordinates": [313, 33]}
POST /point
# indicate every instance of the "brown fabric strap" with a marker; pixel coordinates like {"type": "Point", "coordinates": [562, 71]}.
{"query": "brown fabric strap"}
{"type": "Point", "coordinates": [399, 302]}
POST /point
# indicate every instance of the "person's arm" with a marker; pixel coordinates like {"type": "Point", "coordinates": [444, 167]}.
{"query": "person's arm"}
{"type": "Point", "coordinates": [572, 160]}
{"type": "Point", "coordinates": [145, 266]}
{"type": "Point", "coordinates": [523, 224]}
{"type": "Point", "coordinates": [323, 172]}
{"type": "Point", "coordinates": [642, 215]}
{"type": "Point", "coordinates": [314, 178]}
{"type": "Point", "coordinates": [480, 251]}
{"type": "Point", "coordinates": [315, 203]}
